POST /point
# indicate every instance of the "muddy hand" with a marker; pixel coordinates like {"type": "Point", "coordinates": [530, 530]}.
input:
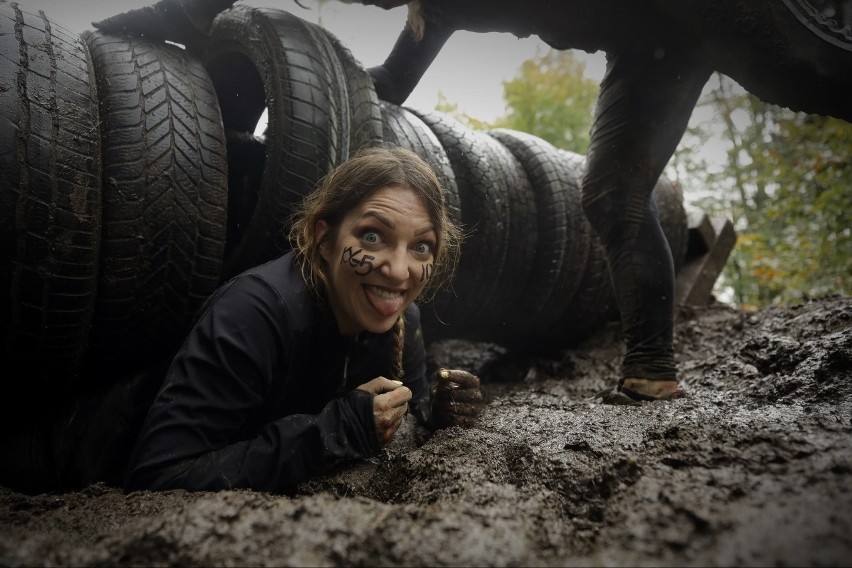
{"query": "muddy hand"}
{"type": "Point", "coordinates": [390, 404]}
{"type": "Point", "coordinates": [182, 21]}
{"type": "Point", "coordinates": [456, 398]}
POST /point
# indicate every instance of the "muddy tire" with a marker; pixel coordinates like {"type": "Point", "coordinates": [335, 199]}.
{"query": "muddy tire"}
{"type": "Point", "coordinates": [366, 130]}
{"type": "Point", "coordinates": [484, 212]}
{"type": "Point", "coordinates": [562, 244]}
{"type": "Point", "coordinates": [594, 302]}
{"type": "Point", "coordinates": [572, 167]}
{"type": "Point", "coordinates": [165, 196]}
{"type": "Point", "coordinates": [50, 201]}
{"type": "Point", "coordinates": [504, 322]}
{"type": "Point", "coordinates": [267, 59]}
{"type": "Point", "coordinates": [587, 275]}
{"type": "Point", "coordinates": [403, 128]}
{"type": "Point", "coordinates": [592, 307]}
{"type": "Point", "coordinates": [338, 94]}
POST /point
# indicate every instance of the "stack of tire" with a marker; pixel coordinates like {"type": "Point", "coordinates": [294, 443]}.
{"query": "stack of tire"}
{"type": "Point", "coordinates": [132, 184]}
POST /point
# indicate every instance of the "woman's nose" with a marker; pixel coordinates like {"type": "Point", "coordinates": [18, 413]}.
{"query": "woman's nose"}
{"type": "Point", "coordinates": [396, 265]}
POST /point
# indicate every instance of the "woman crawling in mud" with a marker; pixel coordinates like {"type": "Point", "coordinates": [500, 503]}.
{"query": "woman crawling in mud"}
{"type": "Point", "coordinates": [314, 358]}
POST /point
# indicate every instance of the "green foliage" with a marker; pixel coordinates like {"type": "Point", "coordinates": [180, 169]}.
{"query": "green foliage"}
{"type": "Point", "coordinates": [549, 98]}
{"type": "Point", "coordinates": [452, 109]}
{"type": "Point", "coordinates": [785, 185]}
{"type": "Point", "coordinates": [552, 99]}
{"type": "Point", "coordinates": [785, 181]}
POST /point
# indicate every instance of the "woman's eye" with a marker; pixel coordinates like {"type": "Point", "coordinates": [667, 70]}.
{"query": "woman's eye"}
{"type": "Point", "coordinates": [371, 237]}
{"type": "Point", "coordinates": [423, 248]}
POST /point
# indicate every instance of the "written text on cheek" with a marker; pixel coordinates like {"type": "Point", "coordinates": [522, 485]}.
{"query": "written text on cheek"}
{"type": "Point", "coordinates": [362, 265]}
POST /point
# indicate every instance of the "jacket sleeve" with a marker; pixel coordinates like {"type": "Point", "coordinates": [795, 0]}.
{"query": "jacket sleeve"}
{"type": "Point", "coordinates": [195, 434]}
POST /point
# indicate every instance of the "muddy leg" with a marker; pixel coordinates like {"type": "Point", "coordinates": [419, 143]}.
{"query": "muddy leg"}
{"type": "Point", "coordinates": [409, 59]}
{"type": "Point", "coordinates": [642, 112]}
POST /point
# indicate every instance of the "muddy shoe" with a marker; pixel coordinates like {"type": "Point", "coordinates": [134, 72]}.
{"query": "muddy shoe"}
{"type": "Point", "coordinates": [614, 396]}
{"type": "Point", "coordinates": [625, 396]}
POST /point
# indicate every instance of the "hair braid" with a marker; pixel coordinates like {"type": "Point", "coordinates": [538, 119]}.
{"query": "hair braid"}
{"type": "Point", "coordinates": [399, 328]}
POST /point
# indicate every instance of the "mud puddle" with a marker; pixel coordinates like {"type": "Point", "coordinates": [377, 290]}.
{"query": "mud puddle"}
{"type": "Point", "coordinates": [755, 468]}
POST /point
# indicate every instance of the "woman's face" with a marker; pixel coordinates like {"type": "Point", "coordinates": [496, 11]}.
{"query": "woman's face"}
{"type": "Point", "coordinates": [380, 261]}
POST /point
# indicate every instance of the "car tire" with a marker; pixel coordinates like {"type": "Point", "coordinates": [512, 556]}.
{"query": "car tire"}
{"type": "Point", "coordinates": [269, 59]}
{"type": "Point", "coordinates": [50, 202]}
{"type": "Point", "coordinates": [504, 322]}
{"type": "Point", "coordinates": [484, 212]}
{"type": "Point", "coordinates": [562, 244]}
{"type": "Point", "coordinates": [165, 197]}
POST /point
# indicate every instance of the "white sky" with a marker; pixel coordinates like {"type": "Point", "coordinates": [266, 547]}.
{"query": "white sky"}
{"type": "Point", "coordinates": [469, 71]}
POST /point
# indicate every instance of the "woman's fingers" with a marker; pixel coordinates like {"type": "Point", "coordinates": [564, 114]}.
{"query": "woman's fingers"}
{"type": "Point", "coordinates": [390, 404]}
{"type": "Point", "coordinates": [461, 378]}
{"type": "Point", "coordinates": [388, 419]}
{"type": "Point", "coordinates": [457, 385]}
{"type": "Point", "coordinates": [393, 399]}
{"type": "Point", "coordinates": [380, 385]}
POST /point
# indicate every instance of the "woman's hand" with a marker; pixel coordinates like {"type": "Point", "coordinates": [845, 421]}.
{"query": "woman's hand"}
{"type": "Point", "coordinates": [456, 398]}
{"type": "Point", "coordinates": [390, 404]}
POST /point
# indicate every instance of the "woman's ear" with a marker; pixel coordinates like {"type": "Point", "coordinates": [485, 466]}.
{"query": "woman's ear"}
{"type": "Point", "coordinates": [321, 232]}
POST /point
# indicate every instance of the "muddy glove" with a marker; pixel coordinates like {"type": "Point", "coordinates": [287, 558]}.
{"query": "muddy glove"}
{"type": "Point", "coordinates": [456, 399]}
{"type": "Point", "coordinates": [182, 21]}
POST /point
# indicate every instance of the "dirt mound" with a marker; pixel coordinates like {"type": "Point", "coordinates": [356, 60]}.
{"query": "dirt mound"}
{"type": "Point", "coordinates": [753, 468]}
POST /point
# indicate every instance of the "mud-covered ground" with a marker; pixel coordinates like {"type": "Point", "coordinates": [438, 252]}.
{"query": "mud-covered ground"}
{"type": "Point", "coordinates": [755, 468]}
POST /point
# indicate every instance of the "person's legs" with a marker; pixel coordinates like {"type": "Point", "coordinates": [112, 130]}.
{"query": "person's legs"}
{"type": "Point", "coordinates": [645, 103]}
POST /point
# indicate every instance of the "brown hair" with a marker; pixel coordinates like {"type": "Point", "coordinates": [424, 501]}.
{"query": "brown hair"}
{"type": "Point", "coordinates": [353, 181]}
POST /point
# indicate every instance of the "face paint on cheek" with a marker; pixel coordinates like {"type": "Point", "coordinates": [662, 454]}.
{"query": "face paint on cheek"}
{"type": "Point", "coordinates": [362, 266]}
{"type": "Point", "coordinates": [425, 272]}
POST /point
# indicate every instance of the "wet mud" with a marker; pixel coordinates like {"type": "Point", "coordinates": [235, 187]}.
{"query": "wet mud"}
{"type": "Point", "coordinates": [754, 468]}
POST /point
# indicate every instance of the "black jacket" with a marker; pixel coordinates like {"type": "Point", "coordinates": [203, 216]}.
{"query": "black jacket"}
{"type": "Point", "coordinates": [261, 395]}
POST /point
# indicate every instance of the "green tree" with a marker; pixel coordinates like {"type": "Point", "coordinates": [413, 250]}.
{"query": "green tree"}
{"type": "Point", "coordinates": [549, 97]}
{"type": "Point", "coordinates": [445, 106]}
{"type": "Point", "coordinates": [784, 182]}
{"type": "Point", "coordinates": [785, 185]}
